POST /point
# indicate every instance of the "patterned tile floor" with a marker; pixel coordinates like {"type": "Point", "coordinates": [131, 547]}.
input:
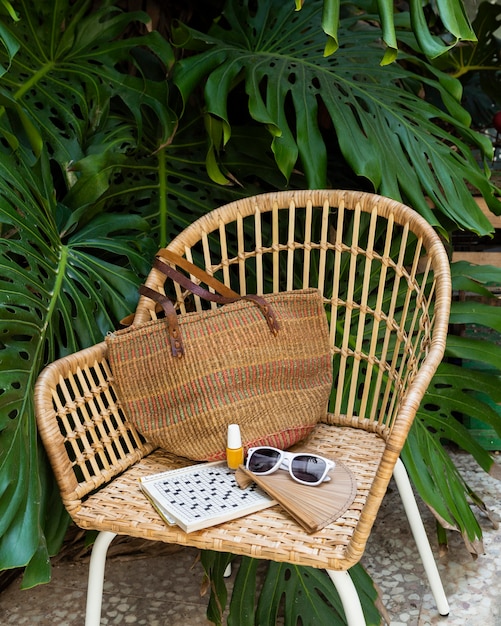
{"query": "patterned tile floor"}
{"type": "Point", "coordinates": [161, 590]}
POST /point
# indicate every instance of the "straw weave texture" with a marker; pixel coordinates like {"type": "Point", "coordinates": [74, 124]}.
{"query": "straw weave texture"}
{"type": "Point", "coordinates": [269, 534]}
{"type": "Point", "coordinates": [276, 387]}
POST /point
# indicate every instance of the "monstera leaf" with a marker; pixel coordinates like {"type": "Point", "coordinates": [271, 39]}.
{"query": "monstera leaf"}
{"type": "Point", "coordinates": [68, 64]}
{"type": "Point", "coordinates": [480, 56]}
{"type": "Point", "coordinates": [457, 392]}
{"type": "Point", "coordinates": [452, 15]}
{"type": "Point", "coordinates": [477, 65]}
{"type": "Point", "coordinates": [55, 297]}
{"type": "Point", "coordinates": [264, 590]}
{"type": "Point", "coordinates": [272, 60]}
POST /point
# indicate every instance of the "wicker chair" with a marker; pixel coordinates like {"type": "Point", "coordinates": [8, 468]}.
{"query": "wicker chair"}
{"type": "Point", "coordinates": [385, 279]}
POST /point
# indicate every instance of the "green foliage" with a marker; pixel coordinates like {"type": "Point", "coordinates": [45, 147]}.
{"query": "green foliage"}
{"type": "Point", "coordinates": [457, 393]}
{"type": "Point", "coordinates": [477, 66]}
{"type": "Point", "coordinates": [452, 14]}
{"type": "Point", "coordinates": [63, 78]}
{"type": "Point", "coordinates": [56, 298]}
{"type": "Point", "coordinates": [271, 62]}
{"type": "Point", "coordinates": [481, 55]}
{"type": "Point", "coordinates": [302, 595]}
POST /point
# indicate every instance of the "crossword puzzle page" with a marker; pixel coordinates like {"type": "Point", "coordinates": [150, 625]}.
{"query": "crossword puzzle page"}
{"type": "Point", "coordinates": [202, 495]}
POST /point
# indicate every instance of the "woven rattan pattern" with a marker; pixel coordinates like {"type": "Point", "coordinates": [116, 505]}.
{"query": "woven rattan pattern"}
{"type": "Point", "coordinates": [384, 275]}
{"type": "Point", "coordinates": [269, 534]}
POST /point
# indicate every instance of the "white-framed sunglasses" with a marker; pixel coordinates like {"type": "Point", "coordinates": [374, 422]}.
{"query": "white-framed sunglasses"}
{"type": "Point", "coordinates": [304, 468]}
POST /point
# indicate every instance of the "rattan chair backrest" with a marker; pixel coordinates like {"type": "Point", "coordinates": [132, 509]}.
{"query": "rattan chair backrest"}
{"type": "Point", "coordinates": [383, 273]}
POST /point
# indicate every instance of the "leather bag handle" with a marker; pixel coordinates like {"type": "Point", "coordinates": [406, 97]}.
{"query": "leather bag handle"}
{"type": "Point", "coordinates": [198, 272]}
{"type": "Point", "coordinates": [222, 295]}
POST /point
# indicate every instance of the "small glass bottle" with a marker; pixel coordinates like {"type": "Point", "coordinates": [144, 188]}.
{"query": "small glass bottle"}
{"type": "Point", "coordinates": [234, 449]}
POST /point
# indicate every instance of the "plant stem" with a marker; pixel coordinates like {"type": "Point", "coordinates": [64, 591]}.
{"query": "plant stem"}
{"type": "Point", "coordinates": [162, 200]}
{"type": "Point", "coordinates": [29, 83]}
{"type": "Point", "coordinates": [60, 276]}
{"type": "Point", "coordinates": [45, 69]}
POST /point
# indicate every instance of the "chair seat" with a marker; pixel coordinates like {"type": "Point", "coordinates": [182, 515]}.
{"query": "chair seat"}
{"type": "Point", "coordinates": [122, 508]}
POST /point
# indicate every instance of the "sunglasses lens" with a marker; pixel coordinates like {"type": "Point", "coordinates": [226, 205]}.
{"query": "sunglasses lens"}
{"type": "Point", "coordinates": [309, 469]}
{"type": "Point", "coordinates": [263, 460]}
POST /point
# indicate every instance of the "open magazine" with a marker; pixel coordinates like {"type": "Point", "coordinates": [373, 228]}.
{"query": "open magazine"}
{"type": "Point", "coordinates": [202, 495]}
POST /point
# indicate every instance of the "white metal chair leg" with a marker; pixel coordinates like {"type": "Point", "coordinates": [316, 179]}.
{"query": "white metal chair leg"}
{"type": "Point", "coordinates": [96, 578]}
{"type": "Point", "coordinates": [416, 523]}
{"type": "Point", "coordinates": [349, 597]}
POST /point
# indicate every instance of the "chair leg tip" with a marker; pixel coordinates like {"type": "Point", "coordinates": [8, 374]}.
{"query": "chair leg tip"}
{"type": "Point", "coordinates": [444, 614]}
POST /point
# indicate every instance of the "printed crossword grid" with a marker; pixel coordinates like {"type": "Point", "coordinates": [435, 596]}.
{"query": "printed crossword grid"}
{"type": "Point", "coordinates": [208, 491]}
